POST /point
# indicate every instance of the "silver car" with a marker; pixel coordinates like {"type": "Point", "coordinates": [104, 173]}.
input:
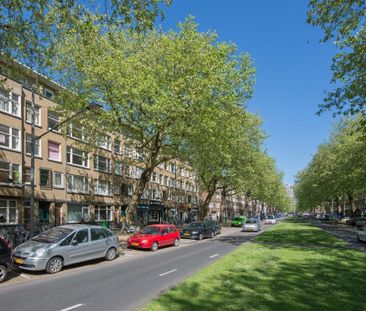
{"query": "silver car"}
{"type": "Point", "coordinates": [361, 234]}
{"type": "Point", "coordinates": [65, 245]}
{"type": "Point", "coordinates": [251, 225]}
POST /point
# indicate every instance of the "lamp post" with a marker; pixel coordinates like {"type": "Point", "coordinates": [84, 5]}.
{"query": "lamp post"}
{"type": "Point", "coordinates": [92, 106]}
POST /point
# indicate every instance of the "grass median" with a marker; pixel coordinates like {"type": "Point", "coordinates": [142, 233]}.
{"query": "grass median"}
{"type": "Point", "coordinates": [294, 266]}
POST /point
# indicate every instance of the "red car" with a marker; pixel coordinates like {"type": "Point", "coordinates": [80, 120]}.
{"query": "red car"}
{"type": "Point", "coordinates": [154, 236]}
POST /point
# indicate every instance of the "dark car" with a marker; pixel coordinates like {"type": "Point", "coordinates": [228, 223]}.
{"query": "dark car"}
{"type": "Point", "coordinates": [198, 230]}
{"type": "Point", "coordinates": [5, 259]}
{"type": "Point", "coordinates": [216, 226]}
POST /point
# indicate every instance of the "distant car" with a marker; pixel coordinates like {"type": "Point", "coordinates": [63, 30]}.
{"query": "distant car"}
{"type": "Point", "coordinates": [361, 234]}
{"type": "Point", "coordinates": [5, 259]}
{"type": "Point", "coordinates": [270, 220]}
{"type": "Point", "coordinates": [252, 224]}
{"type": "Point", "coordinates": [65, 245]}
{"type": "Point", "coordinates": [215, 225]}
{"type": "Point", "coordinates": [198, 230]}
{"type": "Point", "coordinates": [154, 236]}
{"type": "Point", "coordinates": [238, 221]}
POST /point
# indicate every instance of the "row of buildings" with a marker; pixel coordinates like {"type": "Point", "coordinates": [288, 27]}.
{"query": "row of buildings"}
{"type": "Point", "coordinates": [73, 182]}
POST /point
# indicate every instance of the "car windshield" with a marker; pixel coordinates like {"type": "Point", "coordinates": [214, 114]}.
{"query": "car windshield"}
{"type": "Point", "coordinates": [237, 219]}
{"type": "Point", "coordinates": [53, 235]}
{"type": "Point", "coordinates": [270, 217]}
{"type": "Point", "coordinates": [251, 221]}
{"type": "Point", "coordinates": [195, 225]}
{"type": "Point", "coordinates": [151, 230]}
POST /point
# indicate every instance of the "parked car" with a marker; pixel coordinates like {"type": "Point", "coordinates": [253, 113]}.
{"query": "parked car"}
{"type": "Point", "coordinates": [361, 234]}
{"type": "Point", "coordinates": [360, 222]}
{"type": "Point", "coordinates": [65, 245]}
{"type": "Point", "coordinates": [154, 236]}
{"type": "Point", "coordinates": [238, 221]}
{"type": "Point", "coordinates": [252, 224]}
{"type": "Point", "coordinates": [198, 230]}
{"type": "Point", "coordinates": [216, 226]}
{"type": "Point", "coordinates": [270, 220]}
{"type": "Point", "coordinates": [5, 259]}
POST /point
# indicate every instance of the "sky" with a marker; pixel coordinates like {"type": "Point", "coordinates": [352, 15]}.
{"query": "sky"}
{"type": "Point", "coordinates": [292, 69]}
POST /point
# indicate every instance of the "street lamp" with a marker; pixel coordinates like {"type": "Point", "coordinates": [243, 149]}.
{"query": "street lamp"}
{"type": "Point", "coordinates": [92, 106]}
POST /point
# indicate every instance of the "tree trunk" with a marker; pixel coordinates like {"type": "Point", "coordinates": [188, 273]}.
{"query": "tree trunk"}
{"type": "Point", "coordinates": [351, 204]}
{"type": "Point", "coordinates": [204, 206]}
{"type": "Point", "coordinates": [223, 203]}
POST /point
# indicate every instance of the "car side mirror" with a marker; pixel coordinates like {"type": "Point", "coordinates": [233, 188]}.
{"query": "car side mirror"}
{"type": "Point", "coordinates": [74, 243]}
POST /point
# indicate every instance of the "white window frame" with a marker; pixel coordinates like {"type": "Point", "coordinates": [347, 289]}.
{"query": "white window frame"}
{"type": "Point", "coordinates": [55, 185]}
{"type": "Point", "coordinates": [47, 90]}
{"type": "Point", "coordinates": [73, 177]}
{"type": "Point", "coordinates": [70, 150]}
{"type": "Point", "coordinates": [28, 109]}
{"type": "Point", "coordinates": [11, 104]}
{"type": "Point", "coordinates": [53, 118]}
{"type": "Point", "coordinates": [98, 189]}
{"type": "Point", "coordinates": [72, 127]}
{"type": "Point", "coordinates": [105, 143]}
{"type": "Point", "coordinates": [13, 140]}
{"type": "Point", "coordinates": [97, 164]}
{"type": "Point", "coordinates": [37, 142]}
{"type": "Point", "coordinates": [119, 150]}
{"type": "Point", "coordinates": [8, 207]}
{"type": "Point", "coordinates": [109, 212]}
{"type": "Point", "coordinates": [11, 172]}
{"type": "Point", "coordinates": [119, 165]}
{"type": "Point", "coordinates": [59, 150]}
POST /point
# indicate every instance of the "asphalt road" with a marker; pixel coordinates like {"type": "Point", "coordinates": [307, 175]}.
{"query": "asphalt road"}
{"type": "Point", "coordinates": [126, 284]}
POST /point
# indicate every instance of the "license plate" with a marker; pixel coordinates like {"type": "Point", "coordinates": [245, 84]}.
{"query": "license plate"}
{"type": "Point", "coordinates": [18, 260]}
{"type": "Point", "coordinates": [186, 234]}
{"type": "Point", "coordinates": [134, 243]}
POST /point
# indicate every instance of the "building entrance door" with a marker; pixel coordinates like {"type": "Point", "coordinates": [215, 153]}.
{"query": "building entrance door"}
{"type": "Point", "coordinates": [44, 212]}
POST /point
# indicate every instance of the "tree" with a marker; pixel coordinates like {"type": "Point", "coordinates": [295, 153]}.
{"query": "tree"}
{"type": "Point", "coordinates": [344, 22]}
{"type": "Point", "coordinates": [157, 87]}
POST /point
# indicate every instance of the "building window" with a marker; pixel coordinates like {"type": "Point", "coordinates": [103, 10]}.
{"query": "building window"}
{"type": "Point", "coordinates": [47, 93]}
{"type": "Point", "coordinates": [117, 146]}
{"type": "Point", "coordinates": [9, 137]}
{"type": "Point", "coordinates": [117, 187]}
{"type": "Point", "coordinates": [9, 173]}
{"type": "Point", "coordinates": [76, 213]}
{"type": "Point", "coordinates": [79, 184]}
{"type": "Point", "coordinates": [103, 212]}
{"type": "Point", "coordinates": [77, 132]}
{"type": "Point", "coordinates": [127, 170]}
{"type": "Point", "coordinates": [77, 157]}
{"type": "Point", "coordinates": [102, 164]}
{"type": "Point", "coordinates": [127, 189]}
{"type": "Point", "coordinates": [8, 212]}
{"type": "Point", "coordinates": [53, 120]}
{"type": "Point", "coordinates": [138, 172]}
{"type": "Point", "coordinates": [58, 180]}
{"type": "Point", "coordinates": [127, 151]}
{"type": "Point", "coordinates": [105, 142]}
{"type": "Point", "coordinates": [37, 145]}
{"type": "Point", "coordinates": [27, 175]}
{"type": "Point", "coordinates": [154, 177]}
{"type": "Point", "coordinates": [102, 187]}
{"type": "Point", "coordinates": [45, 178]}
{"type": "Point", "coordinates": [54, 151]}
{"type": "Point", "coordinates": [118, 168]}
{"type": "Point", "coordinates": [37, 114]}
{"type": "Point", "coordinates": [10, 105]}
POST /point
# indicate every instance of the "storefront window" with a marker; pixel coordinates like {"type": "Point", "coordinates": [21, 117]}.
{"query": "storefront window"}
{"type": "Point", "coordinates": [103, 213]}
{"type": "Point", "coordinates": [8, 212]}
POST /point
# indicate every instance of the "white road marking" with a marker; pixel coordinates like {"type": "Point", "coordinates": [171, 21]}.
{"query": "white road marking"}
{"type": "Point", "coordinates": [73, 307]}
{"type": "Point", "coordinates": [213, 256]}
{"type": "Point", "coordinates": [25, 276]}
{"type": "Point", "coordinates": [165, 273]}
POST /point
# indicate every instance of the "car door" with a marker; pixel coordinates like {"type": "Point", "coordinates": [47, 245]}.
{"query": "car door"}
{"type": "Point", "coordinates": [164, 236]}
{"type": "Point", "coordinates": [98, 243]}
{"type": "Point", "coordinates": [173, 234]}
{"type": "Point", "coordinates": [206, 230]}
{"type": "Point", "coordinates": [80, 247]}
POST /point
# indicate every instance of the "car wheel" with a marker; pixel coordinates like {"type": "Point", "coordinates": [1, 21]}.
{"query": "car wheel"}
{"type": "Point", "coordinates": [212, 235]}
{"type": "Point", "coordinates": [200, 237]}
{"type": "Point", "coordinates": [111, 254]}
{"type": "Point", "coordinates": [54, 265]}
{"type": "Point", "coordinates": [154, 246]}
{"type": "Point", "coordinates": [3, 273]}
{"type": "Point", "coordinates": [176, 242]}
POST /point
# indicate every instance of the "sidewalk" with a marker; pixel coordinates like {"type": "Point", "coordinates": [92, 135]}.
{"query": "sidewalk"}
{"type": "Point", "coordinates": [344, 232]}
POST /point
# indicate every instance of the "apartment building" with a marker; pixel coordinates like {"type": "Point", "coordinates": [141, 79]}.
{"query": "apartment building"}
{"type": "Point", "coordinates": [72, 180]}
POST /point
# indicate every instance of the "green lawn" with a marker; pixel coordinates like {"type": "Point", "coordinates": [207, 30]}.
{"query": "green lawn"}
{"type": "Point", "coordinates": [293, 266]}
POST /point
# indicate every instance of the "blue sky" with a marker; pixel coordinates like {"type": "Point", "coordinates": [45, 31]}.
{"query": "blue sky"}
{"type": "Point", "coordinates": [293, 69]}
